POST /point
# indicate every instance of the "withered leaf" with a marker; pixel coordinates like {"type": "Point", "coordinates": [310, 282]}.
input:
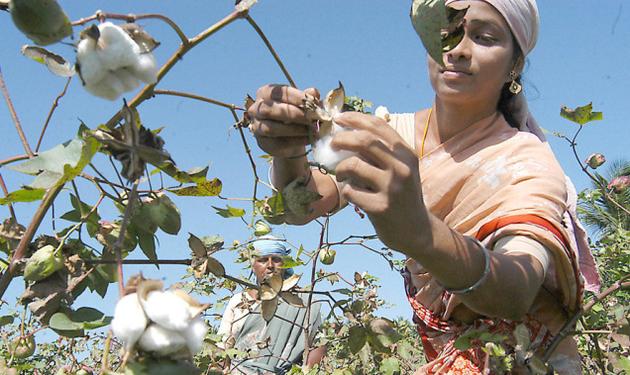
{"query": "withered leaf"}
{"type": "Point", "coordinates": [216, 267]}
{"type": "Point", "coordinates": [197, 246]}
{"type": "Point", "coordinates": [268, 308]}
{"type": "Point", "coordinates": [298, 198]}
{"type": "Point", "coordinates": [290, 282]}
{"type": "Point", "coordinates": [267, 293]}
{"type": "Point", "coordinates": [146, 42]}
{"type": "Point", "coordinates": [292, 299]}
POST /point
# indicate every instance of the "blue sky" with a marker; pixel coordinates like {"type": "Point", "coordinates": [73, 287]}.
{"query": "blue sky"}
{"type": "Point", "coordinates": [370, 46]}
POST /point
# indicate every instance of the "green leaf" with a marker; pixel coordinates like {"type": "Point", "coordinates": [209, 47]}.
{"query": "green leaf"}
{"type": "Point", "coordinates": [195, 175]}
{"type": "Point", "coordinates": [429, 18]}
{"type": "Point", "coordinates": [147, 245]}
{"type": "Point", "coordinates": [229, 211]}
{"type": "Point", "coordinates": [158, 211]}
{"type": "Point", "coordinates": [75, 322]}
{"type": "Point", "coordinates": [26, 194]}
{"type": "Point", "coordinates": [205, 188]}
{"type": "Point", "coordinates": [60, 164]}
{"type": "Point", "coordinates": [581, 115]}
{"type": "Point", "coordinates": [357, 338]}
{"type": "Point", "coordinates": [6, 319]}
{"type": "Point", "coordinates": [389, 366]}
{"type": "Point", "coordinates": [92, 221]}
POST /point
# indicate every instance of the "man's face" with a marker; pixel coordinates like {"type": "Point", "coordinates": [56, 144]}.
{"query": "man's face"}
{"type": "Point", "coordinates": [266, 266]}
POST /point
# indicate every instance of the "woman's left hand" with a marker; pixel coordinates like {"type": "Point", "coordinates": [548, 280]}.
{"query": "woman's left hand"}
{"type": "Point", "coordinates": [383, 179]}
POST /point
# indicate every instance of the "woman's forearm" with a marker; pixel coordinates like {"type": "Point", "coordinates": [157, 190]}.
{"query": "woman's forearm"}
{"type": "Point", "coordinates": [457, 262]}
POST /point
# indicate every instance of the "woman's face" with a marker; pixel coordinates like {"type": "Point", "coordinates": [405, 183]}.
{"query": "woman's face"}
{"type": "Point", "coordinates": [478, 67]}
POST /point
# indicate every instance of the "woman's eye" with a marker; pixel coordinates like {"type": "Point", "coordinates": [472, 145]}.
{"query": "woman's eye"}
{"type": "Point", "coordinates": [485, 38]}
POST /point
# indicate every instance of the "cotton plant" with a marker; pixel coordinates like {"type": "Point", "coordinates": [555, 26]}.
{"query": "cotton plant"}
{"type": "Point", "coordinates": [110, 62]}
{"type": "Point", "coordinates": [162, 322]}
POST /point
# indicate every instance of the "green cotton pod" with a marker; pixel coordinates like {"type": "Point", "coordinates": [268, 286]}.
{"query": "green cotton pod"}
{"type": "Point", "coordinates": [43, 263]}
{"type": "Point", "coordinates": [42, 21]}
{"type": "Point", "coordinates": [261, 228]}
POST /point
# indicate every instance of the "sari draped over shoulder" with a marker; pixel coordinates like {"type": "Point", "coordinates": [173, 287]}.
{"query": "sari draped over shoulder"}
{"type": "Point", "coordinates": [487, 182]}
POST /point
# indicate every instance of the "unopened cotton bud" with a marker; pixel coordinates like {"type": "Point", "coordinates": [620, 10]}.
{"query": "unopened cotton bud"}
{"type": "Point", "coordinates": [595, 160]}
{"type": "Point", "coordinates": [129, 320]}
{"type": "Point", "coordinates": [619, 184]}
{"type": "Point", "coordinates": [382, 113]}
{"type": "Point", "coordinates": [261, 228]}
{"type": "Point", "coordinates": [160, 340]}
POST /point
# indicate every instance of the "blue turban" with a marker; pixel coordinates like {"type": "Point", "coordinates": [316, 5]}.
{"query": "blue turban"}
{"type": "Point", "coordinates": [269, 245]}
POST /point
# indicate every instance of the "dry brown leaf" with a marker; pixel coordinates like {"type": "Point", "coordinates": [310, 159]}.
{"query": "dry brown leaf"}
{"type": "Point", "coordinates": [216, 267]}
{"type": "Point", "coordinates": [268, 308]}
{"type": "Point", "coordinates": [290, 282]}
{"type": "Point", "coordinates": [292, 299]}
{"type": "Point", "coordinates": [267, 293]}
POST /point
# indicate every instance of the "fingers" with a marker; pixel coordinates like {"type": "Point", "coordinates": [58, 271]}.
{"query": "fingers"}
{"type": "Point", "coordinates": [283, 147]}
{"type": "Point", "coordinates": [366, 144]}
{"type": "Point", "coordinates": [270, 128]}
{"type": "Point", "coordinates": [367, 200]}
{"type": "Point", "coordinates": [361, 121]}
{"type": "Point", "coordinates": [359, 173]}
{"type": "Point", "coordinates": [312, 91]}
{"type": "Point", "coordinates": [276, 111]}
{"type": "Point", "coordinates": [281, 93]}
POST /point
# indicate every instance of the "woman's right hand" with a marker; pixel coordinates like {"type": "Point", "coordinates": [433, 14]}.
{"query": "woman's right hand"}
{"type": "Point", "coordinates": [278, 122]}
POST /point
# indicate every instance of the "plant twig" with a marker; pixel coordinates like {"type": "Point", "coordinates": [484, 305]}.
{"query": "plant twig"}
{"type": "Point", "coordinates": [307, 339]}
{"type": "Point", "coordinates": [6, 193]}
{"type": "Point", "coordinates": [270, 48]}
{"type": "Point", "coordinates": [197, 97]}
{"type": "Point", "coordinates": [16, 120]}
{"type": "Point", "coordinates": [603, 188]}
{"type": "Point", "coordinates": [248, 151]}
{"type": "Point", "coordinates": [568, 326]}
{"type": "Point", "coordinates": [133, 18]}
{"type": "Point", "coordinates": [50, 113]}
{"type": "Point", "coordinates": [121, 236]}
{"type": "Point", "coordinates": [14, 159]}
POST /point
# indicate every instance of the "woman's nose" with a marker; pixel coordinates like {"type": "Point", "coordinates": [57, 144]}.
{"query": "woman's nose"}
{"type": "Point", "coordinates": [461, 51]}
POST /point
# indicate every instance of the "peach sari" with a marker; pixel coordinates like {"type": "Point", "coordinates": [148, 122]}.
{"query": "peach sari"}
{"type": "Point", "coordinates": [491, 181]}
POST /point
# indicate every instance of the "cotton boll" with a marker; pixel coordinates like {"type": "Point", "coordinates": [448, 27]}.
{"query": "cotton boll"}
{"type": "Point", "coordinates": [324, 154]}
{"type": "Point", "coordinates": [109, 87]}
{"type": "Point", "coordinates": [146, 68]}
{"type": "Point", "coordinates": [91, 69]}
{"type": "Point", "coordinates": [127, 78]}
{"type": "Point", "coordinates": [116, 49]}
{"type": "Point", "coordinates": [160, 340]}
{"type": "Point", "coordinates": [195, 333]}
{"type": "Point", "coordinates": [382, 112]}
{"type": "Point", "coordinates": [129, 320]}
{"type": "Point", "coordinates": [168, 310]}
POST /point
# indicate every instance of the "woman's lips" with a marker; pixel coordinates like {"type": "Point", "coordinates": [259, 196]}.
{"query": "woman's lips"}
{"type": "Point", "coordinates": [448, 73]}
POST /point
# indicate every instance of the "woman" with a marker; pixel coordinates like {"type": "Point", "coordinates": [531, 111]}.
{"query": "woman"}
{"type": "Point", "coordinates": [476, 205]}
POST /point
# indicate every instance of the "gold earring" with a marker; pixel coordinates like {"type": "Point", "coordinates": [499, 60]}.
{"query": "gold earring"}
{"type": "Point", "coordinates": [515, 87]}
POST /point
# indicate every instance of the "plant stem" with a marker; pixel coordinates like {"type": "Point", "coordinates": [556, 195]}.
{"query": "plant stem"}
{"type": "Point", "coordinates": [132, 18]}
{"type": "Point", "coordinates": [307, 339]}
{"type": "Point", "coordinates": [121, 236]}
{"type": "Point", "coordinates": [16, 120]}
{"type": "Point", "coordinates": [6, 193]}
{"type": "Point", "coordinates": [50, 113]}
{"type": "Point", "coordinates": [13, 159]}
{"type": "Point", "coordinates": [197, 97]}
{"type": "Point", "coordinates": [270, 48]}
{"type": "Point", "coordinates": [568, 326]}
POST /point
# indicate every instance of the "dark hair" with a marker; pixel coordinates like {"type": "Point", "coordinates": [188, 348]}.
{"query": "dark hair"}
{"type": "Point", "coordinates": [506, 102]}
